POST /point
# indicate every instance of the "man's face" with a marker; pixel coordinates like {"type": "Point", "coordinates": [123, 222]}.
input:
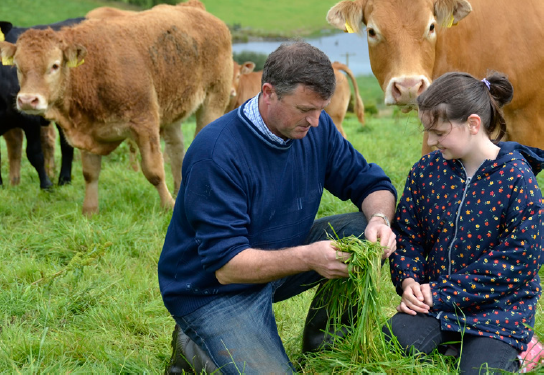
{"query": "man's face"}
{"type": "Point", "coordinates": [292, 116]}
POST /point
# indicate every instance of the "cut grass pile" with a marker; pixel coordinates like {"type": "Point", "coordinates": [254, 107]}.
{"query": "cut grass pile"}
{"type": "Point", "coordinates": [357, 296]}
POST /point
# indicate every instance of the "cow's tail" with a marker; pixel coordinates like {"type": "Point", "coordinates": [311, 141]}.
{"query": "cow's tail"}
{"type": "Point", "coordinates": [358, 106]}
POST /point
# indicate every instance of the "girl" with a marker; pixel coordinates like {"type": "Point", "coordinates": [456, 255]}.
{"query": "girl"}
{"type": "Point", "coordinates": [469, 230]}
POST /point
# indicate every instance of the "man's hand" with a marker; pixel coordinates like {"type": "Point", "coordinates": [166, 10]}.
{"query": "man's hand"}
{"type": "Point", "coordinates": [415, 297]}
{"type": "Point", "coordinates": [326, 260]}
{"type": "Point", "coordinates": [376, 229]}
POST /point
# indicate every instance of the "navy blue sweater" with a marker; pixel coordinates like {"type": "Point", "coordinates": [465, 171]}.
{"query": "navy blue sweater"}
{"type": "Point", "coordinates": [477, 241]}
{"type": "Point", "coordinates": [241, 190]}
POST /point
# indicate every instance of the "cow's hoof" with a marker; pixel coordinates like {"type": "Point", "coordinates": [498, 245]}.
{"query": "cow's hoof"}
{"type": "Point", "coordinates": [65, 180]}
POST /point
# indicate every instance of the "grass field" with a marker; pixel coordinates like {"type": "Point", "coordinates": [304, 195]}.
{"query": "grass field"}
{"type": "Point", "coordinates": [81, 295]}
{"type": "Point", "coordinates": [25, 13]}
{"type": "Point", "coordinates": [282, 17]}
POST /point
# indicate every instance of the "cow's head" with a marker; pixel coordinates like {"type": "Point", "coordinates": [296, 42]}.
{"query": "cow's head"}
{"type": "Point", "coordinates": [401, 37]}
{"type": "Point", "coordinates": [237, 71]}
{"type": "Point", "coordinates": [43, 61]}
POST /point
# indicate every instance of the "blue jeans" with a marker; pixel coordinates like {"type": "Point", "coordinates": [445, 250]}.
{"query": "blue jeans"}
{"type": "Point", "coordinates": [422, 333]}
{"type": "Point", "coordinates": [239, 331]}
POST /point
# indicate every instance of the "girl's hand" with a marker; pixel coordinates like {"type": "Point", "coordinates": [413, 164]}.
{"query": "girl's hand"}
{"type": "Point", "coordinates": [427, 294]}
{"type": "Point", "coordinates": [413, 299]}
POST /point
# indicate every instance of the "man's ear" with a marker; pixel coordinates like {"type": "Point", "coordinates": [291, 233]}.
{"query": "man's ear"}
{"type": "Point", "coordinates": [474, 123]}
{"type": "Point", "coordinates": [74, 55]}
{"type": "Point", "coordinates": [7, 50]}
{"type": "Point", "coordinates": [268, 93]}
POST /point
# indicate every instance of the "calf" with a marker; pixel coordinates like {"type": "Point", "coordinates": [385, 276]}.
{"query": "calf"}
{"type": "Point", "coordinates": [106, 80]}
{"type": "Point", "coordinates": [338, 106]}
{"type": "Point", "coordinates": [32, 125]}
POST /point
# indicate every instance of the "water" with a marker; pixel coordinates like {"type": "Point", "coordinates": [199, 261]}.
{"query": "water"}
{"type": "Point", "coordinates": [349, 49]}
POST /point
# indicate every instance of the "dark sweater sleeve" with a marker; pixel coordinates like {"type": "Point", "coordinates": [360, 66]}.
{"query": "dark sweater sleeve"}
{"type": "Point", "coordinates": [349, 175]}
{"type": "Point", "coordinates": [216, 209]}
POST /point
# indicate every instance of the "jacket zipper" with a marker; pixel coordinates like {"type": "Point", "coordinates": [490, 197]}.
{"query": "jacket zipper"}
{"type": "Point", "coordinates": [459, 213]}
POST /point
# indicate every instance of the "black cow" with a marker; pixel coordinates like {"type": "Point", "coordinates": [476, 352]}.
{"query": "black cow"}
{"type": "Point", "coordinates": [10, 118]}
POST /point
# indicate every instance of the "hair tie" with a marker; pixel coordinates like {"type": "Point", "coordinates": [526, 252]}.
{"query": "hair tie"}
{"type": "Point", "coordinates": [487, 84]}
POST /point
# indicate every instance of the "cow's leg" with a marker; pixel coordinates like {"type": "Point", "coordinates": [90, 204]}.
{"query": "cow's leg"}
{"type": "Point", "coordinates": [173, 139]}
{"type": "Point", "coordinates": [91, 165]}
{"type": "Point", "coordinates": [35, 155]}
{"type": "Point", "coordinates": [14, 143]}
{"type": "Point", "coordinates": [67, 151]}
{"type": "Point", "coordinates": [337, 119]}
{"type": "Point", "coordinates": [48, 136]}
{"type": "Point", "coordinates": [152, 164]}
{"type": "Point", "coordinates": [212, 107]}
{"type": "Point", "coordinates": [133, 155]}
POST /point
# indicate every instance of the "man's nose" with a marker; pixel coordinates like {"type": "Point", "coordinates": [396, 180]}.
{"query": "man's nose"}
{"type": "Point", "coordinates": [313, 118]}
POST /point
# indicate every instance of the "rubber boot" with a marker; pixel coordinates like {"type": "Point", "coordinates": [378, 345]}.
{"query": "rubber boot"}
{"type": "Point", "coordinates": [316, 336]}
{"type": "Point", "coordinates": [188, 357]}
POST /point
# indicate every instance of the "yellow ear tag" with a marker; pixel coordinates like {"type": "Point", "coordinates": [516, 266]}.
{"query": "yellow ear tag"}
{"type": "Point", "coordinates": [7, 60]}
{"type": "Point", "coordinates": [74, 63]}
{"type": "Point", "coordinates": [349, 29]}
{"type": "Point", "coordinates": [450, 22]}
{"type": "Point", "coordinates": [2, 36]}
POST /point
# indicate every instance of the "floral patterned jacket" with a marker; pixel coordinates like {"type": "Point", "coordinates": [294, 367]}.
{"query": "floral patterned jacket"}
{"type": "Point", "coordinates": [477, 241]}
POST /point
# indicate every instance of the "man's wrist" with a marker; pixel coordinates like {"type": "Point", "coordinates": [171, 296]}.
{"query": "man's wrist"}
{"type": "Point", "coordinates": [383, 217]}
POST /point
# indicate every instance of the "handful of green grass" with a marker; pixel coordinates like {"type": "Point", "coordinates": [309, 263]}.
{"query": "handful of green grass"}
{"type": "Point", "coordinates": [357, 296]}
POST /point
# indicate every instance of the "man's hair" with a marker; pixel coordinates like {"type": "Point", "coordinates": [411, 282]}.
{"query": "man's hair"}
{"type": "Point", "coordinates": [297, 62]}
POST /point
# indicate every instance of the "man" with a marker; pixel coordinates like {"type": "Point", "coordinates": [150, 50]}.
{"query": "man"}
{"type": "Point", "coordinates": [243, 235]}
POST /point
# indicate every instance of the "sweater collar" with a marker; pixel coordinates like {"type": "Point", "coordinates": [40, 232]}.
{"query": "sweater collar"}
{"type": "Point", "coordinates": [249, 112]}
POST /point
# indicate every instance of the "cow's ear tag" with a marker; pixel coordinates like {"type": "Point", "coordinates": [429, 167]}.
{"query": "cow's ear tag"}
{"type": "Point", "coordinates": [2, 38]}
{"type": "Point", "coordinates": [7, 60]}
{"type": "Point", "coordinates": [349, 29]}
{"type": "Point", "coordinates": [450, 21]}
{"type": "Point", "coordinates": [74, 63]}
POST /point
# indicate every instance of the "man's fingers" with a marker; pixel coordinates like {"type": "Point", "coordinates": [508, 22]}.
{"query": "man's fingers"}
{"type": "Point", "coordinates": [341, 256]}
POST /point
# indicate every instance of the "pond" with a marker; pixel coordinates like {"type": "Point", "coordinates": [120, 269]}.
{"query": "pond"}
{"type": "Point", "coordinates": [349, 49]}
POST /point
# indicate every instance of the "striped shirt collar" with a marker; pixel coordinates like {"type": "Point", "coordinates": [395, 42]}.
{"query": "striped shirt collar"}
{"type": "Point", "coordinates": [251, 110]}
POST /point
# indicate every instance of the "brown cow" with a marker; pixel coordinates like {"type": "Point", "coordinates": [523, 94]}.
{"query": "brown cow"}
{"type": "Point", "coordinates": [250, 85]}
{"type": "Point", "coordinates": [237, 72]}
{"type": "Point", "coordinates": [411, 43]}
{"type": "Point", "coordinates": [338, 106]}
{"type": "Point", "coordinates": [142, 75]}
{"type": "Point", "coordinates": [108, 12]}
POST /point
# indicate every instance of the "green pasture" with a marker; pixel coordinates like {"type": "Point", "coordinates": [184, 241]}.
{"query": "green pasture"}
{"type": "Point", "coordinates": [278, 18]}
{"type": "Point", "coordinates": [25, 13]}
{"type": "Point", "coordinates": [80, 295]}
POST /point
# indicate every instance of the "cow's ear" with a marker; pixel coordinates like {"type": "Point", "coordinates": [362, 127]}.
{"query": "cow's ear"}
{"type": "Point", "coordinates": [448, 13]}
{"type": "Point", "coordinates": [5, 27]}
{"type": "Point", "coordinates": [247, 67]}
{"type": "Point", "coordinates": [74, 55]}
{"type": "Point", "coordinates": [7, 51]}
{"type": "Point", "coordinates": [347, 15]}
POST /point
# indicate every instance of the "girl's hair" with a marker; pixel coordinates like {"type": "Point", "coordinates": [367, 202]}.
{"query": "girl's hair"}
{"type": "Point", "coordinates": [455, 96]}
